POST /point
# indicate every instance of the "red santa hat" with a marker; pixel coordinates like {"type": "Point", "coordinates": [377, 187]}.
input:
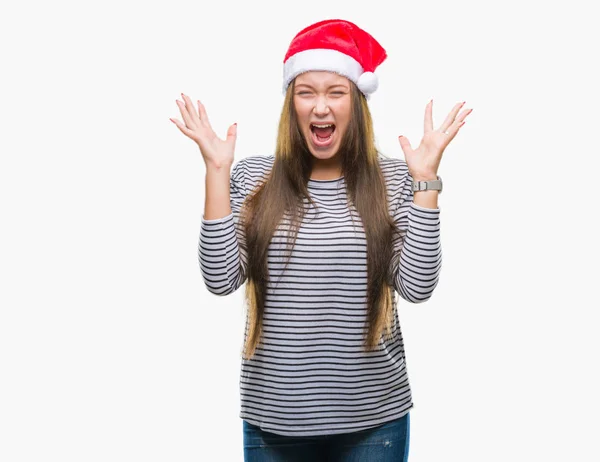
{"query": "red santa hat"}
{"type": "Point", "coordinates": [338, 46]}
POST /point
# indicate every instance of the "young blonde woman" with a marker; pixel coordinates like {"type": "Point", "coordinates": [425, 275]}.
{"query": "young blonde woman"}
{"type": "Point", "coordinates": [323, 233]}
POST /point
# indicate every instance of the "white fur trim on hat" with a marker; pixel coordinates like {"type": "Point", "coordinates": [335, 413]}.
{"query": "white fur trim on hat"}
{"type": "Point", "coordinates": [367, 82]}
{"type": "Point", "coordinates": [321, 59]}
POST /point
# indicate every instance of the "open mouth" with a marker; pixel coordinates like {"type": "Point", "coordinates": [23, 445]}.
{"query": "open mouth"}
{"type": "Point", "coordinates": [322, 133]}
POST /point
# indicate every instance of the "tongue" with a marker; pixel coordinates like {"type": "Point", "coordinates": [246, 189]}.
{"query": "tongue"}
{"type": "Point", "coordinates": [323, 132]}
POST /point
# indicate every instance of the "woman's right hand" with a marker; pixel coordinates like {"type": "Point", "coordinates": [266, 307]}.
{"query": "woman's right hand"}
{"type": "Point", "coordinates": [214, 150]}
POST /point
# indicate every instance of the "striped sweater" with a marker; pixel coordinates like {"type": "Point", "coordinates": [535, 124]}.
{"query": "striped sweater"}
{"type": "Point", "coordinates": [312, 376]}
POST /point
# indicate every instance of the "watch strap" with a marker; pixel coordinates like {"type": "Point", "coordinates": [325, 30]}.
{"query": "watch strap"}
{"type": "Point", "coordinates": [426, 185]}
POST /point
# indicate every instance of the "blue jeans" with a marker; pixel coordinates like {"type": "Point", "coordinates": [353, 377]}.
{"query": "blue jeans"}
{"type": "Point", "coordinates": [386, 443]}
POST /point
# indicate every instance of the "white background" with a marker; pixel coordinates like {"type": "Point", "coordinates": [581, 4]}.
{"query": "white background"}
{"type": "Point", "coordinates": [112, 349]}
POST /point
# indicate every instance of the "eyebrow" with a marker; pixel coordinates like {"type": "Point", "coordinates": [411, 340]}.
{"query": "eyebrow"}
{"type": "Point", "coordinates": [345, 87]}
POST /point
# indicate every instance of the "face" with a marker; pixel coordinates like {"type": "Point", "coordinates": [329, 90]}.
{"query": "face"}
{"type": "Point", "coordinates": [323, 106]}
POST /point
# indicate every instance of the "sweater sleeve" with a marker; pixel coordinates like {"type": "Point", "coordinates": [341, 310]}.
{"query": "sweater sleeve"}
{"type": "Point", "coordinates": [417, 259]}
{"type": "Point", "coordinates": [222, 250]}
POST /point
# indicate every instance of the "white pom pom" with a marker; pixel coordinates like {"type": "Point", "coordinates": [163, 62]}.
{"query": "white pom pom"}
{"type": "Point", "coordinates": [367, 82]}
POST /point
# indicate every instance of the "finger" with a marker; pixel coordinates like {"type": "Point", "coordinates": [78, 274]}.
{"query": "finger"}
{"type": "Point", "coordinates": [203, 115]}
{"type": "Point", "coordinates": [232, 135]}
{"type": "Point", "coordinates": [453, 129]}
{"type": "Point", "coordinates": [451, 118]}
{"type": "Point", "coordinates": [182, 128]}
{"type": "Point", "coordinates": [459, 121]}
{"type": "Point", "coordinates": [189, 122]}
{"type": "Point", "coordinates": [428, 117]}
{"type": "Point", "coordinates": [405, 145]}
{"type": "Point", "coordinates": [463, 115]}
{"type": "Point", "coordinates": [191, 110]}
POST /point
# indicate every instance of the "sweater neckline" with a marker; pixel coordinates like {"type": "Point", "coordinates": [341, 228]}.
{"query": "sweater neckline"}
{"type": "Point", "coordinates": [336, 183]}
{"type": "Point", "coordinates": [326, 181]}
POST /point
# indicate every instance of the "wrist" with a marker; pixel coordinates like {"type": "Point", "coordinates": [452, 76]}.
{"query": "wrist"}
{"type": "Point", "coordinates": [218, 168]}
{"type": "Point", "coordinates": [425, 184]}
{"type": "Point", "coordinates": [426, 199]}
{"type": "Point", "coordinates": [424, 177]}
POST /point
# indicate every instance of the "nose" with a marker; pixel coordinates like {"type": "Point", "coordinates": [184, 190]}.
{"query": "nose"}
{"type": "Point", "coordinates": [321, 107]}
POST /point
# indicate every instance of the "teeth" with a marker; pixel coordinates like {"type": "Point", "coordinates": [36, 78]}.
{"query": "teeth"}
{"type": "Point", "coordinates": [322, 126]}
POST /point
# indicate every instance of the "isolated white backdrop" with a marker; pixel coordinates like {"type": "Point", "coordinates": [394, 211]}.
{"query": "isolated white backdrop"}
{"type": "Point", "coordinates": [112, 349]}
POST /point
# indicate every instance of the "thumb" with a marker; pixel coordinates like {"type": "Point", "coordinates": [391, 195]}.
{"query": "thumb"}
{"type": "Point", "coordinates": [405, 144]}
{"type": "Point", "coordinates": [232, 134]}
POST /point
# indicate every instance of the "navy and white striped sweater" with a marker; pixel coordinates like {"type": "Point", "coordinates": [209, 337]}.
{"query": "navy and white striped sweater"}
{"type": "Point", "coordinates": [312, 375]}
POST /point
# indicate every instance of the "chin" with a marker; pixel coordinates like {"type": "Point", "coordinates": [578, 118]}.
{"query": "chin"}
{"type": "Point", "coordinates": [323, 154]}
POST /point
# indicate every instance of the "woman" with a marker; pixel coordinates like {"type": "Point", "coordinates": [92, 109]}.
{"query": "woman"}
{"type": "Point", "coordinates": [324, 233]}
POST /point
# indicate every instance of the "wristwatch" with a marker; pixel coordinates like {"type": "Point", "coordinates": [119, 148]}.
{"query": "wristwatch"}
{"type": "Point", "coordinates": [428, 185]}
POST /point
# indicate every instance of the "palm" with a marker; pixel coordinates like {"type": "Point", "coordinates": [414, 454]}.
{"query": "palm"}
{"type": "Point", "coordinates": [210, 143]}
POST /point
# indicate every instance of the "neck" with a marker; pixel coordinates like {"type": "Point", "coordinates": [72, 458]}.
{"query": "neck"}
{"type": "Point", "coordinates": [326, 169]}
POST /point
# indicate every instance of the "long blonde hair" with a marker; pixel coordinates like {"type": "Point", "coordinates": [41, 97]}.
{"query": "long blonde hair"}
{"type": "Point", "coordinates": [285, 189]}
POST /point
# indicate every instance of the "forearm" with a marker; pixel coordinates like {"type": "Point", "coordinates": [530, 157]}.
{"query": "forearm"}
{"type": "Point", "coordinates": [217, 192]}
{"type": "Point", "coordinates": [222, 256]}
{"type": "Point", "coordinates": [427, 198]}
{"type": "Point", "coordinates": [222, 244]}
{"type": "Point", "coordinates": [420, 255]}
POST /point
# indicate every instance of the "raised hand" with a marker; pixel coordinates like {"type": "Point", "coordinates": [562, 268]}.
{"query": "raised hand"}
{"type": "Point", "coordinates": [214, 150]}
{"type": "Point", "coordinates": [423, 162]}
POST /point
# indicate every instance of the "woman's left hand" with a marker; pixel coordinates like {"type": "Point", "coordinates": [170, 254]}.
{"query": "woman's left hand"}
{"type": "Point", "coordinates": [423, 162]}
